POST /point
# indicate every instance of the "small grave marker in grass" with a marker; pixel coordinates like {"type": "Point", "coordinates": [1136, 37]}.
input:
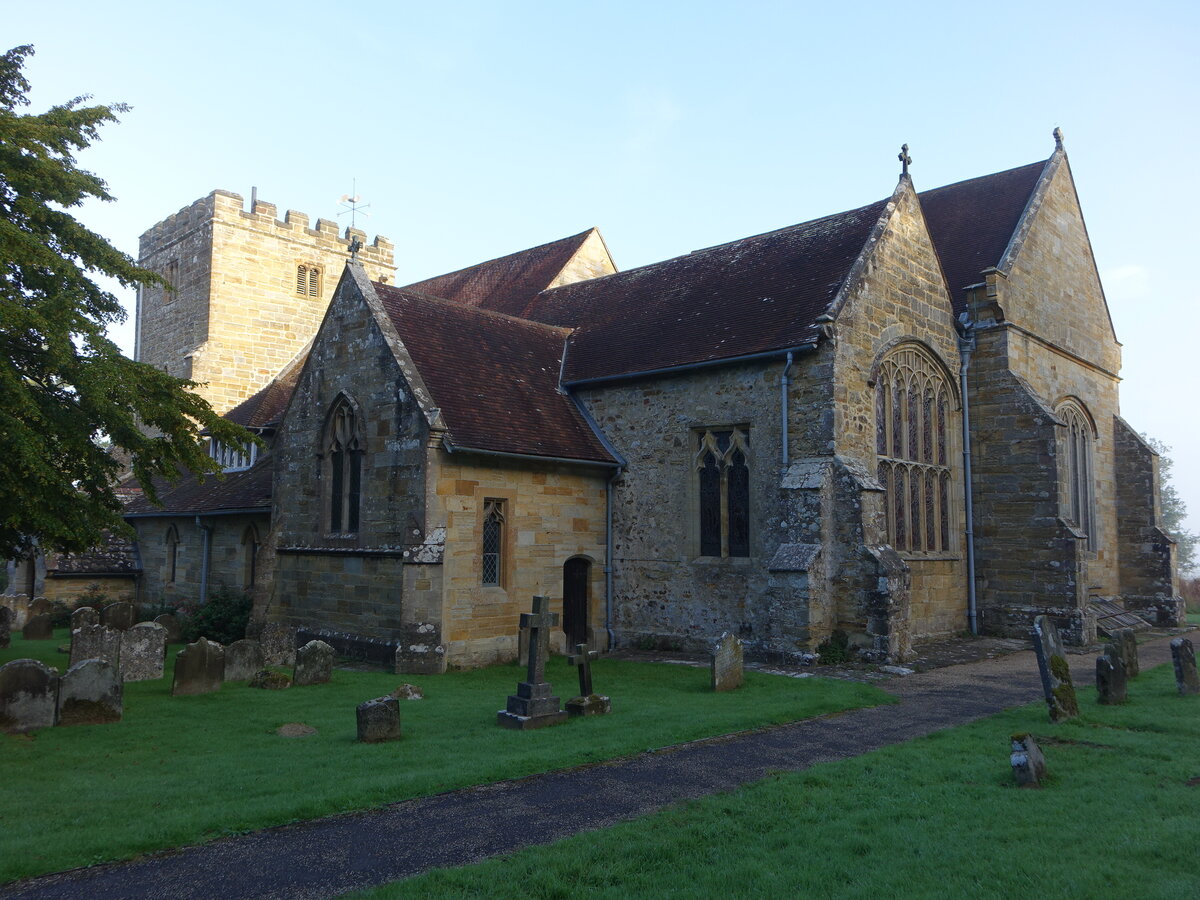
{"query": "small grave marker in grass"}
{"type": "Point", "coordinates": [1184, 658]}
{"type": "Point", "coordinates": [199, 668]}
{"type": "Point", "coordinates": [1056, 674]}
{"type": "Point", "coordinates": [1110, 677]}
{"type": "Point", "coordinates": [91, 693]}
{"type": "Point", "coordinates": [378, 720]}
{"type": "Point", "coordinates": [1028, 763]}
{"type": "Point", "coordinates": [38, 628]}
{"type": "Point", "coordinates": [314, 664]}
{"type": "Point", "coordinates": [143, 652]}
{"type": "Point", "coordinates": [28, 696]}
{"type": "Point", "coordinates": [588, 703]}
{"type": "Point", "coordinates": [243, 660]}
{"type": "Point", "coordinates": [727, 673]}
{"type": "Point", "coordinates": [96, 642]}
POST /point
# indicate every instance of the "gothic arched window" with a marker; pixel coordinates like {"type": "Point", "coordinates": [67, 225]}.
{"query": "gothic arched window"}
{"type": "Point", "coordinates": [1076, 469]}
{"type": "Point", "coordinates": [912, 444]}
{"type": "Point", "coordinates": [249, 556]}
{"type": "Point", "coordinates": [172, 542]}
{"type": "Point", "coordinates": [723, 468]}
{"type": "Point", "coordinates": [343, 454]}
{"type": "Point", "coordinates": [493, 542]}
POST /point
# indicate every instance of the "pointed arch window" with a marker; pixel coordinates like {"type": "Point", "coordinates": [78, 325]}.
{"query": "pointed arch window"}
{"type": "Point", "coordinates": [722, 466]}
{"type": "Point", "coordinates": [493, 542]}
{"type": "Point", "coordinates": [913, 406]}
{"type": "Point", "coordinates": [1075, 454]}
{"type": "Point", "coordinates": [172, 543]}
{"type": "Point", "coordinates": [343, 453]}
{"type": "Point", "coordinates": [250, 545]}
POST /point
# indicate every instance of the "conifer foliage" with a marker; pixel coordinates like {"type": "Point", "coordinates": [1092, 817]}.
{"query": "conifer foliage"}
{"type": "Point", "coordinates": [65, 388]}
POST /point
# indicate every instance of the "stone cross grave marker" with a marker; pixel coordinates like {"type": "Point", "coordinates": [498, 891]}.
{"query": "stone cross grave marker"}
{"type": "Point", "coordinates": [314, 664]}
{"type": "Point", "coordinates": [6, 617]}
{"type": "Point", "coordinates": [91, 694]}
{"type": "Point", "coordinates": [1124, 641]}
{"type": "Point", "coordinates": [727, 663]}
{"type": "Point", "coordinates": [378, 720]}
{"type": "Point", "coordinates": [143, 652]}
{"type": "Point", "coordinates": [199, 668]}
{"type": "Point", "coordinates": [1111, 683]}
{"type": "Point", "coordinates": [38, 628]}
{"type": "Point", "coordinates": [1056, 674]}
{"type": "Point", "coordinates": [1184, 658]}
{"type": "Point", "coordinates": [588, 703]}
{"type": "Point", "coordinates": [96, 642]}
{"type": "Point", "coordinates": [118, 615]}
{"type": "Point", "coordinates": [84, 615]}
{"type": "Point", "coordinates": [533, 705]}
{"type": "Point", "coordinates": [243, 660]}
{"type": "Point", "coordinates": [28, 696]}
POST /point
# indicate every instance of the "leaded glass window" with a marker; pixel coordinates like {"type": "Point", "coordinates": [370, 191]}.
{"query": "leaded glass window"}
{"type": "Point", "coordinates": [1077, 470]}
{"type": "Point", "coordinates": [723, 472]}
{"type": "Point", "coordinates": [493, 541]}
{"type": "Point", "coordinates": [344, 453]}
{"type": "Point", "coordinates": [912, 412]}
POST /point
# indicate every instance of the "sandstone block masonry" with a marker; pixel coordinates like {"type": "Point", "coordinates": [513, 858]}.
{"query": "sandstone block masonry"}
{"type": "Point", "coordinates": [249, 292]}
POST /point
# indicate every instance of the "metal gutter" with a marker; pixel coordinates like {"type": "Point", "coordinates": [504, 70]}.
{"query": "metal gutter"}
{"type": "Point", "coordinates": [184, 513]}
{"type": "Point", "coordinates": [451, 448]}
{"type": "Point", "coordinates": [689, 367]}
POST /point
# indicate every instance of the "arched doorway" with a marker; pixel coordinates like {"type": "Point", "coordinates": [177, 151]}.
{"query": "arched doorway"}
{"type": "Point", "coordinates": [577, 573]}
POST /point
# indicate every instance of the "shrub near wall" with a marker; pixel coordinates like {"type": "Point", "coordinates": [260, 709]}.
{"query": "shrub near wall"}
{"type": "Point", "coordinates": [222, 619]}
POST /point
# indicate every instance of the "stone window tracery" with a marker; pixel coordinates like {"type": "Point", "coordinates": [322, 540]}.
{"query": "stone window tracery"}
{"type": "Point", "coordinates": [343, 452]}
{"type": "Point", "coordinates": [1076, 468]}
{"type": "Point", "coordinates": [912, 446]}
{"type": "Point", "coordinates": [493, 542]}
{"type": "Point", "coordinates": [722, 466]}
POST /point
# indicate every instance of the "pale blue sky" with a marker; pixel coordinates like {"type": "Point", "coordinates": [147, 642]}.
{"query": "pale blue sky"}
{"type": "Point", "coordinates": [476, 129]}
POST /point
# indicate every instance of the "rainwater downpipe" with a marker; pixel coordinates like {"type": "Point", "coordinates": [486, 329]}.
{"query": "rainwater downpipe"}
{"type": "Point", "coordinates": [608, 555]}
{"type": "Point", "coordinates": [205, 546]}
{"type": "Point", "coordinates": [783, 407]}
{"type": "Point", "coordinates": [966, 345]}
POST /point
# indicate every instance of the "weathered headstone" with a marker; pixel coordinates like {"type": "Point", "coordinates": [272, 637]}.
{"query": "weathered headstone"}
{"type": "Point", "coordinates": [6, 617]}
{"type": "Point", "coordinates": [379, 720]}
{"type": "Point", "coordinates": [243, 660]}
{"type": "Point", "coordinates": [96, 642]}
{"type": "Point", "coordinates": [588, 703]}
{"type": "Point", "coordinates": [19, 606]}
{"type": "Point", "coordinates": [1056, 674]}
{"type": "Point", "coordinates": [523, 646]}
{"type": "Point", "coordinates": [270, 681]}
{"type": "Point", "coordinates": [1110, 678]}
{"type": "Point", "coordinates": [91, 693]}
{"type": "Point", "coordinates": [28, 696]}
{"type": "Point", "coordinates": [84, 615]}
{"type": "Point", "coordinates": [1184, 657]}
{"type": "Point", "coordinates": [534, 705]}
{"type": "Point", "coordinates": [408, 691]}
{"type": "Point", "coordinates": [119, 615]}
{"type": "Point", "coordinates": [1028, 763]}
{"type": "Point", "coordinates": [199, 668]}
{"type": "Point", "coordinates": [143, 652]}
{"type": "Point", "coordinates": [171, 623]}
{"type": "Point", "coordinates": [727, 663]}
{"type": "Point", "coordinates": [314, 664]}
{"type": "Point", "coordinates": [38, 628]}
{"type": "Point", "coordinates": [40, 606]}
{"type": "Point", "coordinates": [1124, 642]}
{"type": "Point", "coordinates": [278, 644]}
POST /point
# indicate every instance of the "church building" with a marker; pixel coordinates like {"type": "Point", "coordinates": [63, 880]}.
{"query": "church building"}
{"type": "Point", "coordinates": [899, 422]}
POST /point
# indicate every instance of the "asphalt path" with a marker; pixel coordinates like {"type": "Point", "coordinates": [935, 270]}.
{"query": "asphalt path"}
{"type": "Point", "coordinates": [335, 855]}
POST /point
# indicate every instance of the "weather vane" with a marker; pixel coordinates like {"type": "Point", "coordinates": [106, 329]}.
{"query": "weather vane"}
{"type": "Point", "coordinates": [905, 160]}
{"type": "Point", "coordinates": [353, 205]}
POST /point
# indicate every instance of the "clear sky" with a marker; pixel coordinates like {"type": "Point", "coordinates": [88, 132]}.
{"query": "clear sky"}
{"type": "Point", "coordinates": [477, 129]}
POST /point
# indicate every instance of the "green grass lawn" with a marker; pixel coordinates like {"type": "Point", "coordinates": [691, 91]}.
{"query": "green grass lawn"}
{"type": "Point", "coordinates": [935, 817]}
{"type": "Point", "coordinates": [180, 770]}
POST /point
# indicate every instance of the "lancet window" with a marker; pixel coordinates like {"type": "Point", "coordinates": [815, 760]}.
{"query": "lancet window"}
{"type": "Point", "coordinates": [172, 544]}
{"type": "Point", "coordinates": [493, 542]}
{"type": "Point", "coordinates": [722, 466]}
{"type": "Point", "coordinates": [343, 452]}
{"type": "Point", "coordinates": [1076, 469]}
{"type": "Point", "coordinates": [913, 412]}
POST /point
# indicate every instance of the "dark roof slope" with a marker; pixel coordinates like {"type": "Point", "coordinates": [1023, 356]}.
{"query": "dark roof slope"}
{"type": "Point", "coordinates": [267, 406]}
{"type": "Point", "coordinates": [972, 222]}
{"type": "Point", "coordinates": [249, 489]}
{"type": "Point", "coordinates": [508, 283]}
{"type": "Point", "coordinates": [494, 377]}
{"type": "Point", "coordinates": [753, 295]}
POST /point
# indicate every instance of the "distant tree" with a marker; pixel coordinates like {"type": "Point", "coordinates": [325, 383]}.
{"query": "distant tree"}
{"type": "Point", "coordinates": [1174, 510]}
{"type": "Point", "coordinates": [64, 386]}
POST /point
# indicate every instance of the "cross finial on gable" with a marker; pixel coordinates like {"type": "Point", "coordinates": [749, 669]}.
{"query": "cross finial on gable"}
{"type": "Point", "coordinates": [355, 246]}
{"type": "Point", "coordinates": [1058, 138]}
{"type": "Point", "coordinates": [905, 160]}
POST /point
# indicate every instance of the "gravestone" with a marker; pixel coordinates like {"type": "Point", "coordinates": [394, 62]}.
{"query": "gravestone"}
{"type": "Point", "coordinates": [199, 668]}
{"type": "Point", "coordinates": [379, 720]}
{"type": "Point", "coordinates": [84, 615]}
{"type": "Point", "coordinates": [6, 617]}
{"type": "Point", "coordinates": [588, 703]}
{"type": "Point", "coordinates": [40, 606]}
{"type": "Point", "coordinates": [408, 691]}
{"type": "Point", "coordinates": [278, 644]}
{"type": "Point", "coordinates": [119, 615]}
{"type": "Point", "coordinates": [314, 664]}
{"type": "Point", "coordinates": [91, 694]}
{"type": "Point", "coordinates": [143, 652]}
{"type": "Point", "coordinates": [243, 660]}
{"type": "Point", "coordinates": [727, 663]}
{"type": "Point", "coordinates": [171, 623]}
{"type": "Point", "coordinates": [1110, 678]}
{"type": "Point", "coordinates": [534, 705]}
{"type": "Point", "coordinates": [1124, 642]}
{"type": "Point", "coordinates": [522, 646]}
{"type": "Point", "coordinates": [38, 628]}
{"type": "Point", "coordinates": [96, 642]}
{"type": "Point", "coordinates": [1184, 657]}
{"type": "Point", "coordinates": [28, 696]}
{"type": "Point", "coordinates": [19, 606]}
{"type": "Point", "coordinates": [1028, 763]}
{"type": "Point", "coordinates": [1056, 674]}
{"type": "Point", "coordinates": [270, 681]}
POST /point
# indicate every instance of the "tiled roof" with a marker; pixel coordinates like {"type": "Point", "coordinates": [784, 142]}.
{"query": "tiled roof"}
{"type": "Point", "coordinates": [971, 222]}
{"type": "Point", "coordinates": [114, 555]}
{"type": "Point", "coordinates": [753, 295]}
{"type": "Point", "coordinates": [267, 407]}
{"type": "Point", "coordinates": [247, 489]}
{"type": "Point", "coordinates": [494, 377]}
{"type": "Point", "coordinates": [506, 284]}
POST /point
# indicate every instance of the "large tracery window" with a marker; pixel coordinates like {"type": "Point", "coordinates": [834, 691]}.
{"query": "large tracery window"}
{"type": "Point", "coordinates": [1076, 469]}
{"type": "Point", "coordinates": [913, 411]}
{"type": "Point", "coordinates": [723, 467]}
{"type": "Point", "coordinates": [344, 452]}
